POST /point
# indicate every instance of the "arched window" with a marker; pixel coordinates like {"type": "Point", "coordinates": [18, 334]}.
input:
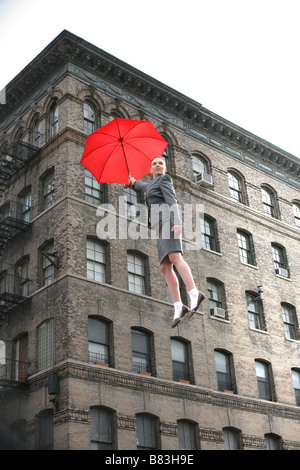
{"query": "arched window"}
{"type": "Point", "coordinates": [180, 360]}
{"type": "Point", "coordinates": [289, 321]}
{"type": "Point", "coordinates": [200, 165]}
{"type": "Point", "coordinates": [99, 341]}
{"type": "Point", "coordinates": [224, 369]}
{"type": "Point", "coordinates": [136, 266]}
{"type": "Point", "coordinates": [36, 135]}
{"type": "Point", "coordinates": [255, 312]}
{"type": "Point", "coordinates": [280, 260]}
{"type": "Point", "coordinates": [48, 189]}
{"type": "Point", "coordinates": [273, 442]}
{"type": "Point", "coordinates": [147, 432]}
{"type": "Point", "coordinates": [245, 244]}
{"type": "Point", "coordinates": [141, 351]}
{"type": "Point", "coordinates": [45, 430]}
{"type": "Point", "coordinates": [210, 239]}
{"type": "Point", "coordinates": [167, 155]}
{"type": "Point", "coordinates": [53, 120]}
{"type": "Point", "coordinates": [102, 429]}
{"type": "Point", "coordinates": [232, 439]}
{"type": "Point", "coordinates": [296, 383]}
{"type": "Point", "coordinates": [264, 380]}
{"type": "Point", "coordinates": [96, 260]}
{"type": "Point", "coordinates": [296, 210]}
{"type": "Point", "coordinates": [269, 202]}
{"type": "Point", "coordinates": [216, 298]}
{"type": "Point", "coordinates": [95, 193]}
{"type": "Point", "coordinates": [236, 187]}
{"type": "Point", "coordinates": [21, 356]}
{"type": "Point", "coordinates": [187, 435]}
{"type": "Point", "coordinates": [89, 120]}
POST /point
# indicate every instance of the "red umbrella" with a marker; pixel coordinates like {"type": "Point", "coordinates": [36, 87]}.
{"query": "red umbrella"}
{"type": "Point", "coordinates": [121, 148]}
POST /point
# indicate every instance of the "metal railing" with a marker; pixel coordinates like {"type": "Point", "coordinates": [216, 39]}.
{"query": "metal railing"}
{"type": "Point", "coordinates": [13, 372]}
{"type": "Point", "coordinates": [100, 358]}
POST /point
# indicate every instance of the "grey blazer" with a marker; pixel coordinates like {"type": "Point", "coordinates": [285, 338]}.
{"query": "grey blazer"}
{"type": "Point", "coordinates": [160, 195]}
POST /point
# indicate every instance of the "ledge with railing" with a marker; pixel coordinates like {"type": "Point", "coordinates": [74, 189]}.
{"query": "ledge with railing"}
{"type": "Point", "coordinates": [12, 373]}
{"type": "Point", "coordinates": [14, 220]}
{"type": "Point", "coordinates": [14, 292]}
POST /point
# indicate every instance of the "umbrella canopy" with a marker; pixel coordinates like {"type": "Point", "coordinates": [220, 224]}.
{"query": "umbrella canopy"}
{"type": "Point", "coordinates": [121, 148]}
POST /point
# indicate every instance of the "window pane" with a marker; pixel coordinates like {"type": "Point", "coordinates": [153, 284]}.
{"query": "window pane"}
{"type": "Point", "coordinates": [145, 432]}
{"type": "Point", "coordinates": [288, 321]}
{"type": "Point", "coordinates": [96, 264]}
{"type": "Point", "coordinates": [141, 357]}
{"type": "Point", "coordinates": [88, 119]}
{"type": "Point", "coordinates": [263, 380]}
{"type": "Point", "coordinates": [234, 187]}
{"type": "Point", "coordinates": [180, 360]}
{"type": "Point", "coordinates": [101, 429]}
{"type": "Point", "coordinates": [214, 295]}
{"type": "Point", "coordinates": [296, 209]}
{"type": "Point", "coordinates": [136, 274]}
{"type": "Point", "coordinates": [268, 203]}
{"type": "Point", "coordinates": [273, 442]}
{"type": "Point", "coordinates": [186, 436]}
{"type": "Point", "coordinates": [223, 371]}
{"type": "Point", "coordinates": [231, 439]}
{"type": "Point", "coordinates": [45, 345]}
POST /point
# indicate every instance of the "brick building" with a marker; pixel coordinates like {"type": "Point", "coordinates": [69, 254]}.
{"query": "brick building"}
{"type": "Point", "coordinates": [88, 358]}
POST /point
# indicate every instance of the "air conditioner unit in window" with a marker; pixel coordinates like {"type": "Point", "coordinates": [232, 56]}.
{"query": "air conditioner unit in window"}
{"type": "Point", "coordinates": [282, 272]}
{"type": "Point", "coordinates": [203, 179]}
{"type": "Point", "coordinates": [217, 312]}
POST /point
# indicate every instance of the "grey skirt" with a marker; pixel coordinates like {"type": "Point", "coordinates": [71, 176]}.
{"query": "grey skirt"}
{"type": "Point", "coordinates": [166, 242]}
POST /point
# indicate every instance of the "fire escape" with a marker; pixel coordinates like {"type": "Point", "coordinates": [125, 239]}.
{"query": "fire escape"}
{"type": "Point", "coordinates": [13, 220]}
{"type": "Point", "coordinates": [14, 286]}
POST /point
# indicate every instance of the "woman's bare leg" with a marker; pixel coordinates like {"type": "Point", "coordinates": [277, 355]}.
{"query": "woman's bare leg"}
{"type": "Point", "coordinates": [171, 279]}
{"type": "Point", "coordinates": [183, 269]}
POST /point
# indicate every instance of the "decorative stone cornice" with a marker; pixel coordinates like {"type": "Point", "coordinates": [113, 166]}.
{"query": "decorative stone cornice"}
{"type": "Point", "coordinates": [68, 48]}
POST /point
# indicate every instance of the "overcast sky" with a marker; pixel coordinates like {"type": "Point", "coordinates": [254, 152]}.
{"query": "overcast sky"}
{"type": "Point", "coordinates": [238, 58]}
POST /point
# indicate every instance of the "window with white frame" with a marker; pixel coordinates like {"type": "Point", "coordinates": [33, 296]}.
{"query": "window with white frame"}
{"type": "Point", "coordinates": [255, 313]}
{"type": "Point", "coordinates": [96, 260]}
{"type": "Point", "coordinates": [280, 260]}
{"type": "Point", "coordinates": [235, 187]}
{"type": "Point", "coordinates": [296, 210]}
{"type": "Point", "coordinates": [136, 273]}
{"type": "Point", "coordinates": [245, 245]}
{"type": "Point", "coordinates": [289, 321]}
{"type": "Point", "coordinates": [95, 193]}
{"type": "Point", "coordinates": [268, 200]}
{"type": "Point", "coordinates": [208, 227]}
{"type": "Point", "coordinates": [199, 165]}
{"type": "Point", "coordinates": [296, 384]}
